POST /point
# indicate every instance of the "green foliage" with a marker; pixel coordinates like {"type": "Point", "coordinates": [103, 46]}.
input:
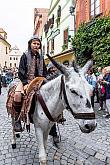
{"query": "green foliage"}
{"type": "Point", "coordinates": [92, 40]}
{"type": "Point", "coordinates": [64, 47]}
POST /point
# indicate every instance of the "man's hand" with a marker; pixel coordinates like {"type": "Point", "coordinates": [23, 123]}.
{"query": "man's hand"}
{"type": "Point", "coordinates": [25, 87]}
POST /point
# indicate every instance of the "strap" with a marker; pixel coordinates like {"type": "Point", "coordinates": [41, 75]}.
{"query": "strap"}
{"type": "Point", "coordinates": [44, 107]}
{"type": "Point", "coordinates": [86, 116]}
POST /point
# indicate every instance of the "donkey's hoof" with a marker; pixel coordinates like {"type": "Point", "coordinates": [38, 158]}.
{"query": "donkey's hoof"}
{"type": "Point", "coordinates": [18, 135]}
{"type": "Point", "coordinates": [13, 146]}
{"type": "Point", "coordinates": [43, 162]}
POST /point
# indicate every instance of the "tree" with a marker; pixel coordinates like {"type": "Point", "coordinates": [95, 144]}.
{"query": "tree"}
{"type": "Point", "coordinates": [92, 40]}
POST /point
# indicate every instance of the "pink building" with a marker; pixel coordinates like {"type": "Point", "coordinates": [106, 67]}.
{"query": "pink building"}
{"type": "Point", "coordinates": [40, 18]}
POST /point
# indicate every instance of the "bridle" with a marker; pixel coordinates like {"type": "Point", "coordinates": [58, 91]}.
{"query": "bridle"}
{"type": "Point", "coordinates": [86, 116]}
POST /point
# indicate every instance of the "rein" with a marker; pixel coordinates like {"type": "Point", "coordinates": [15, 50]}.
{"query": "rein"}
{"type": "Point", "coordinates": [44, 107]}
{"type": "Point", "coordinates": [86, 116]}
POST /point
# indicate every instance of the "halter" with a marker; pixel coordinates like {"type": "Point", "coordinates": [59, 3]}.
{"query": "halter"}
{"type": "Point", "coordinates": [86, 116]}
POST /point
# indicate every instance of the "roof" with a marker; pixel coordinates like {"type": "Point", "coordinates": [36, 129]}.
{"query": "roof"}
{"type": "Point", "coordinates": [2, 31]}
{"type": "Point", "coordinates": [1, 37]}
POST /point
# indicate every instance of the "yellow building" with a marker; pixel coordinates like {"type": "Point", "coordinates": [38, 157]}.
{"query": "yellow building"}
{"type": "Point", "coordinates": [4, 49]}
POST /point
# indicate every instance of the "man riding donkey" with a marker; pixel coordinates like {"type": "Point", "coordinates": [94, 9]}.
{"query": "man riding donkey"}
{"type": "Point", "coordinates": [53, 72]}
{"type": "Point", "coordinates": [31, 65]}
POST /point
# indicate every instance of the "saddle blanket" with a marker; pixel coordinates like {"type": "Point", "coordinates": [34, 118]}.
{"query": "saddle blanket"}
{"type": "Point", "coordinates": [33, 86]}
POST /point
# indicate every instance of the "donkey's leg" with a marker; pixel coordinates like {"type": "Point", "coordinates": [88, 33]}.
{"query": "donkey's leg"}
{"type": "Point", "coordinates": [42, 151]}
{"type": "Point", "coordinates": [13, 135]}
{"type": "Point", "coordinates": [45, 135]}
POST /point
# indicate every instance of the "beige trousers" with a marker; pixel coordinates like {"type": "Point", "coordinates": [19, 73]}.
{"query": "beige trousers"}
{"type": "Point", "coordinates": [18, 92]}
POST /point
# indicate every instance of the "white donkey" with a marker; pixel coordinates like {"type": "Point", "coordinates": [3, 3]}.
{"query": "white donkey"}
{"type": "Point", "coordinates": [69, 90]}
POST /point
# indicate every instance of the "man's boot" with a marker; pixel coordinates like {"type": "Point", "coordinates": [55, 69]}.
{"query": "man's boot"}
{"type": "Point", "coordinates": [17, 107]}
{"type": "Point", "coordinates": [61, 119]}
{"type": "Point", "coordinates": [56, 139]}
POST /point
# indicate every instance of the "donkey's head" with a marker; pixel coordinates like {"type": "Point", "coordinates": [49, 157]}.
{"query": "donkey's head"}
{"type": "Point", "coordinates": [76, 94]}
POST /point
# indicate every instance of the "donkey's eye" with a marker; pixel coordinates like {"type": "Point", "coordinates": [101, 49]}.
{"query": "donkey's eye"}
{"type": "Point", "coordinates": [73, 91]}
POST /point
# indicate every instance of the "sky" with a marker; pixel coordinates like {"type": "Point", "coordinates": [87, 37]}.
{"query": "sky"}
{"type": "Point", "coordinates": [17, 19]}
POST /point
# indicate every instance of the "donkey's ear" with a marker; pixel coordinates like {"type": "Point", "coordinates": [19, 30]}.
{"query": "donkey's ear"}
{"type": "Point", "coordinates": [87, 66]}
{"type": "Point", "coordinates": [61, 67]}
{"type": "Point", "coordinates": [75, 66]}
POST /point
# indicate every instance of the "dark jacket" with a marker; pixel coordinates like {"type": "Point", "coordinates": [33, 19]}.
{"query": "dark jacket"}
{"type": "Point", "coordinates": [107, 85]}
{"type": "Point", "coordinates": [23, 69]}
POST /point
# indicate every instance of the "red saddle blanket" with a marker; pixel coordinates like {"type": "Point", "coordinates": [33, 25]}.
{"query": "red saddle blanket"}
{"type": "Point", "coordinates": [34, 85]}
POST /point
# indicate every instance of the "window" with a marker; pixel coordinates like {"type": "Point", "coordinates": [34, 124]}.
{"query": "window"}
{"type": "Point", "coordinates": [14, 64]}
{"type": "Point", "coordinates": [65, 34]}
{"type": "Point", "coordinates": [94, 8]}
{"type": "Point", "coordinates": [48, 47]}
{"type": "Point", "coordinates": [10, 58]}
{"type": "Point", "coordinates": [16, 58]}
{"type": "Point", "coordinates": [6, 50]}
{"type": "Point", "coordinates": [52, 45]}
{"type": "Point", "coordinates": [10, 64]}
{"type": "Point", "coordinates": [58, 16]}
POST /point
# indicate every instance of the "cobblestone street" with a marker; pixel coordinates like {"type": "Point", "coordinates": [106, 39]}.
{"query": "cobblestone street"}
{"type": "Point", "coordinates": [75, 148]}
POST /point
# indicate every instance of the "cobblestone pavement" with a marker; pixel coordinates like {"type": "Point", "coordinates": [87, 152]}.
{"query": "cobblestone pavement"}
{"type": "Point", "coordinates": [75, 148]}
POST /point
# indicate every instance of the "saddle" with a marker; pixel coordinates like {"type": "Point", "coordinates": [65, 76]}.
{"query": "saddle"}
{"type": "Point", "coordinates": [33, 86]}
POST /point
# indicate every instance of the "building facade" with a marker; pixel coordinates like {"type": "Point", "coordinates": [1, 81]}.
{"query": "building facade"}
{"type": "Point", "coordinates": [40, 18]}
{"type": "Point", "coordinates": [58, 30]}
{"type": "Point", "coordinates": [4, 49]}
{"type": "Point", "coordinates": [86, 10]}
{"type": "Point", "coordinates": [14, 57]}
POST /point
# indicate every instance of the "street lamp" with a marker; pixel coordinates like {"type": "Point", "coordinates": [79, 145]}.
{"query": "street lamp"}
{"type": "Point", "coordinates": [73, 19]}
{"type": "Point", "coordinates": [72, 10]}
{"type": "Point", "coordinates": [73, 7]}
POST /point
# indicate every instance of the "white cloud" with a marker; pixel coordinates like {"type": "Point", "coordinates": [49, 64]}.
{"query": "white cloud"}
{"type": "Point", "coordinates": [17, 19]}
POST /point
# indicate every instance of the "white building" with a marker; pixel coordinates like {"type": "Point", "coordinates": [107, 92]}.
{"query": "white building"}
{"type": "Point", "coordinates": [14, 57]}
{"type": "Point", "coordinates": [59, 29]}
{"type": "Point", "coordinates": [4, 49]}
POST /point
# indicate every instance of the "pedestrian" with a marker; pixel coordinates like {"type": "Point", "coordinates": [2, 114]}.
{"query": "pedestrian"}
{"type": "Point", "coordinates": [53, 73]}
{"type": "Point", "coordinates": [101, 88]}
{"type": "Point", "coordinates": [31, 65]}
{"type": "Point", "coordinates": [4, 84]}
{"type": "Point", "coordinates": [106, 81]}
{"type": "Point", "coordinates": [0, 81]}
{"type": "Point", "coordinates": [91, 78]}
{"type": "Point", "coordinates": [98, 75]}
